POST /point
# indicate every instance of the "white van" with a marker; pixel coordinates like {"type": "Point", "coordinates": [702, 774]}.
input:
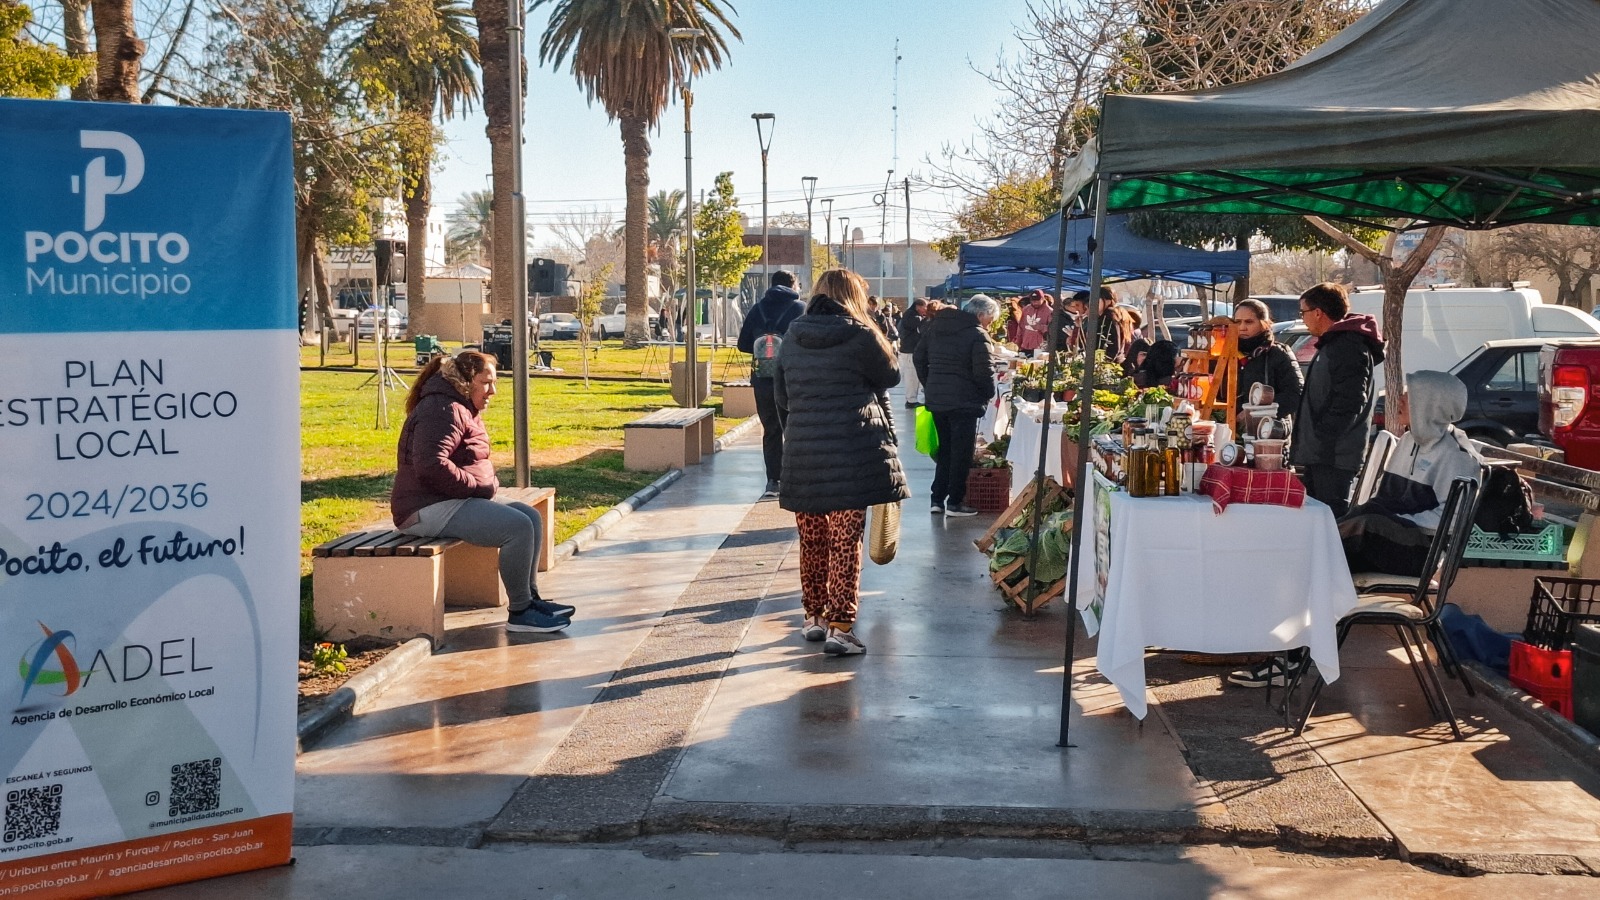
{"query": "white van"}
{"type": "Point", "coordinates": [1443, 325]}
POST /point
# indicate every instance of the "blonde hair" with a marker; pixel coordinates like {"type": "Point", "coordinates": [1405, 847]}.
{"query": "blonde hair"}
{"type": "Point", "coordinates": [849, 290]}
{"type": "Point", "coordinates": [459, 370]}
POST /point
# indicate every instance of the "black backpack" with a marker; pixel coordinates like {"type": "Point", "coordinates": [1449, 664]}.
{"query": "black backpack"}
{"type": "Point", "coordinates": [1506, 504]}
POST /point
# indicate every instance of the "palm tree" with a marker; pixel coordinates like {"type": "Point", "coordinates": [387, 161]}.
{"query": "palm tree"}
{"type": "Point", "coordinates": [664, 228]}
{"type": "Point", "coordinates": [425, 54]}
{"type": "Point", "coordinates": [471, 236]}
{"type": "Point", "coordinates": [624, 56]}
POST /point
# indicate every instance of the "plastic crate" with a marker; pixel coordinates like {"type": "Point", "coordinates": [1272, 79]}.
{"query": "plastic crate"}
{"type": "Point", "coordinates": [989, 490]}
{"type": "Point", "coordinates": [1558, 605]}
{"type": "Point", "coordinates": [1545, 674]}
{"type": "Point", "coordinates": [1541, 546]}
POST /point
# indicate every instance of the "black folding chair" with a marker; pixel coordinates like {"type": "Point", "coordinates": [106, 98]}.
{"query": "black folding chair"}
{"type": "Point", "coordinates": [1411, 606]}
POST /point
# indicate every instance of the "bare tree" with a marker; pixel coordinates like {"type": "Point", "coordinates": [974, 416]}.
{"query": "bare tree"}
{"type": "Point", "coordinates": [590, 238]}
{"type": "Point", "coordinates": [1568, 253]}
{"type": "Point", "coordinates": [75, 35]}
{"type": "Point", "coordinates": [118, 51]}
{"type": "Point", "coordinates": [1397, 278]}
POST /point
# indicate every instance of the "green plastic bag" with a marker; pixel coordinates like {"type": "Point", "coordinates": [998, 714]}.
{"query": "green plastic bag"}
{"type": "Point", "coordinates": [927, 437]}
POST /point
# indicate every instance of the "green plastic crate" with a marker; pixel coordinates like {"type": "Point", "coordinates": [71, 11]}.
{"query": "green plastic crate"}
{"type": "Point", "coordinates": [1547, 545]}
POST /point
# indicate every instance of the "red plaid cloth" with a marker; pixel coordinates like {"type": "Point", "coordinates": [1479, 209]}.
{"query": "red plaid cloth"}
{"type": "Point", "coordinates": [1229, 484]}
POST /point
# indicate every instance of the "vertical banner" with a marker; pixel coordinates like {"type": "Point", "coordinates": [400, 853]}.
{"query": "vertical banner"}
{"type": "Point", "coordinates": [149, 495]}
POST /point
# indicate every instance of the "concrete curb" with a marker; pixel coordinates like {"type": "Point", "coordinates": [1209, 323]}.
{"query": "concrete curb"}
{"type": "Point", "coordinates": [364, 687]}
{"type": "Point", "coordinates": [1579, 743]}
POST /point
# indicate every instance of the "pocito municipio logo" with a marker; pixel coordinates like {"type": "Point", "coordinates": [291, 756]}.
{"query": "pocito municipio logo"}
{"type": "Point", "coordinates": [100, 261]}
{"type": "Point", "coordinates": [50, 663]}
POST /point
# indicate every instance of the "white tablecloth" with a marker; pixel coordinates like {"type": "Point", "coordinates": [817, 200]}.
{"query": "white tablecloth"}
{"type": "Point", "coordinates": [1023, 454]}
{"type": "Point", "coordinates": [1254, 579]}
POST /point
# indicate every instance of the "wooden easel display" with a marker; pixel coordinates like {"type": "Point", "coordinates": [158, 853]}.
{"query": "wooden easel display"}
{"type": "Point", "coordinates": [1017, 594]}
{"type": "Point", "coordinates": [1221, 366]}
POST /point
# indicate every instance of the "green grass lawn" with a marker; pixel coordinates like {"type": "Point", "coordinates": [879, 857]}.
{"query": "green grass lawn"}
{"type": "Point", "coordinates": [575, 446]}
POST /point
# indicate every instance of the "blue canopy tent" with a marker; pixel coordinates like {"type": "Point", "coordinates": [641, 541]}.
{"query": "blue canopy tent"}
{"type": "Point", "coordinates": [1033, 251]}
{"type": "Point", "coordinates": [1010, 281]}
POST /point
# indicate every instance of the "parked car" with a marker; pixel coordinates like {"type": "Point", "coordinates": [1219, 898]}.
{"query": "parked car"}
{"type": "Point", "coordinates": [1285, 309]}
{"type": "Point", "coordinates": [1569, 410]}
{"type": "Point", "coordinates": [614, 325]}
{"type": "Point", "coordinates": [1502, 379]}
{"type": "Point", "coordinates": [394, 324]}
{"type": "Point", "coordinates": [559, 327]}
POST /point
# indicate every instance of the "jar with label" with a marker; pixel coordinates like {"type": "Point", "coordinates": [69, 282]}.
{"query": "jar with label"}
{"type": "Point", "coordinates": [1130, 427]}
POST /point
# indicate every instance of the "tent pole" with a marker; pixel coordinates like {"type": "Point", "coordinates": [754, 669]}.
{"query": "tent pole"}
{"type": "Point", "coordinates": [1080, 478]}
{"type": "Point", "coordinates": [1057, 316]}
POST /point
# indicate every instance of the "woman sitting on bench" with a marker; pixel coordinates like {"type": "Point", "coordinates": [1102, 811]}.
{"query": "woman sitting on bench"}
{"type": "Point", "coordinates": [444, 484]}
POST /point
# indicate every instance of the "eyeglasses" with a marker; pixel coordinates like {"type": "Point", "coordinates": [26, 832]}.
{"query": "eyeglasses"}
{"type": "Point", "coordinates": [1306, 309]}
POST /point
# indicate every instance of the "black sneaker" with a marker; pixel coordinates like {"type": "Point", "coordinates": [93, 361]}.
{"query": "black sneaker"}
{"type": "Point", "coordinates": [536, 622]}
{"type": "Point", "coordinates": [554, 610]}
{"type": "Point", "coordinates": [1272, 673]}
{"type": "Point", "coordinates": [936, 508]}
{"type": "Point", "coordinates": [771, 493]}
{"type": "Point", "coordinates": [959, 510]}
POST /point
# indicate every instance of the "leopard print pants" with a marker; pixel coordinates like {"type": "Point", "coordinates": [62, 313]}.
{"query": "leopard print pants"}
{"type": "Point", "coordinates": [830, 562]}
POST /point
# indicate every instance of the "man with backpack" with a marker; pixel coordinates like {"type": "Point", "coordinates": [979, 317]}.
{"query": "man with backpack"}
{"type": "Point", "coordinates": [760, 336]}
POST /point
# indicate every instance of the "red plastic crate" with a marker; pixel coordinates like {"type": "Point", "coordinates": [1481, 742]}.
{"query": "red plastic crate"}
{"type": "Point", "coordinates": [989, 490]}
{"type": "Point", "coordinates": [1546, 674]}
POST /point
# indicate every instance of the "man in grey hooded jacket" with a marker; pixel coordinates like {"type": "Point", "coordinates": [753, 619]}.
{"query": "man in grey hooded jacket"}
{"type": "Point", "coordinates": [1391, 532]}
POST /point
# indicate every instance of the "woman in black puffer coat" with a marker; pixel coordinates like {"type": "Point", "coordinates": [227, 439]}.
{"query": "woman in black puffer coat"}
{"type": "Point", "coordinates": [957, 371]}
{"type": "Point", "coordinates": [839, 449]}
{"type": "Point", "coordinates": [1265, 360]}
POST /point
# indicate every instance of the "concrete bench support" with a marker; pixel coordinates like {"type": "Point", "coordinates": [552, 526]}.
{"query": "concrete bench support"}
{"type": "Point", "coordinates": [738, 400]}
{"type": "Point", "coordinates": [382, 583]}
{"type": "Point", "coordinates": [668, 439]}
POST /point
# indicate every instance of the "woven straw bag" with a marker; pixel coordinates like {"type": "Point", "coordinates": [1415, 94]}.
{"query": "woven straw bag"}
{"type": "Point", "coordinates": [883, 532]}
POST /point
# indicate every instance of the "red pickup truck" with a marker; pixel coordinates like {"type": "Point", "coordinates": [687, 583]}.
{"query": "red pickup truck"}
{"type": "Point", "coordinates": [1569, 399]}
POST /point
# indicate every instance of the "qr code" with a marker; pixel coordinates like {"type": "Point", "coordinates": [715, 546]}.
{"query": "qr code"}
{"type": "Point", "coordinates": [33, 813]}
{"type": "Point", "coordinates": [196, 787]}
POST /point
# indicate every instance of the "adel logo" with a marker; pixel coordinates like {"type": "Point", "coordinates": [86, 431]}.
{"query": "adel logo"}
{"type": "Point", "coordinates": [52, 663]}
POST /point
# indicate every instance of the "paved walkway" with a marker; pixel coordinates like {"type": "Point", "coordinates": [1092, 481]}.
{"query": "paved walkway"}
{"type": "Point", "coordinates": [683, 701]}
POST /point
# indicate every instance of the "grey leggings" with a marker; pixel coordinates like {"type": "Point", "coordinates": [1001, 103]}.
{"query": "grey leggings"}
{"type": "Point", "coordinates": [513, 527]}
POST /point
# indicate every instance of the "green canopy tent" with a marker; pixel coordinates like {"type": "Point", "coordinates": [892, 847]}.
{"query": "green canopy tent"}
{"type": "Point", "coordinates": [1470, 113]}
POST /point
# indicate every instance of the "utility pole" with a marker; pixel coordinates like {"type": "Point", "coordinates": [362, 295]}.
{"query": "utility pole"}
{"type": "Point", "coordinates": [910, 284]}
{"type": "Point", "coordinates": [808, 184]}
{"type": "Point", "coordinates": [844, 241]}
{"type": "Point", "coordinates": [691, 297]}
{"type": "Point", "coordinates": [827, 215]}
{"type": "Point", "coordinates": [882, 202]}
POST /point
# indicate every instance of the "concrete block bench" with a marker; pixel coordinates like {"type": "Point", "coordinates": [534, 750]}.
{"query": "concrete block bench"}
{"type": "Point", "coordinates": [382, 583]}
{"type": "Point", "coordinates": [738, 400]}
{"type": "Point", "coordinates": [668, 439]}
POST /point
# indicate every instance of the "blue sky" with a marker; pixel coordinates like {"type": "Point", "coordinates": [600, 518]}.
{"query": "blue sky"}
{"type": "Point", "coordinates": [825, 68]}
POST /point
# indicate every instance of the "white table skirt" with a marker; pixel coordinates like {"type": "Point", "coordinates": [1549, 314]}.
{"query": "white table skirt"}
{"type": "Point", "coordinates": [1254, 579]}
{"type": "Point", "coordinates": [1024, 450]}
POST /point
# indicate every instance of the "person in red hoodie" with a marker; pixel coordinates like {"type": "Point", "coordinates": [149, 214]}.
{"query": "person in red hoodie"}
{"type": "Point", "coordinates": [444, 483]}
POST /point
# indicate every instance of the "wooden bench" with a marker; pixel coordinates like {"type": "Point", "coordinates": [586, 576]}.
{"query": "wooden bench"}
{"type": "Point", "coordinates": [382, 583]}
{"type": "Point", "coordinates": [668, 439]}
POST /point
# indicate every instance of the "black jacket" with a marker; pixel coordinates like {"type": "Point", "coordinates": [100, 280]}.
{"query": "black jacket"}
{"type": "Point", "coordinates": [772, 314]}
{"type": "Point", "coordinates": [911, 325]}
{"type": "Point", "coordinates": [954, 364]}
{"type": "Point", "coordinates": [1336, 407]}
{"type": "Point", "coordinates": [839, 448]}
{"type": "Point", "coordinates": [1272, 365]}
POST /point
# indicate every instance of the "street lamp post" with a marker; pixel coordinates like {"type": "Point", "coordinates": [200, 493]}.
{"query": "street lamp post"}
{"type": "Point", "coordinates": [808, 184]}
{"type": "Point", "coordinates": [827, 215]}
{"type": "Point", "coordinates": [844, 240]}
{"type": "Point", "coordinates": [690, 292]}
{"type": "Point", "coordinates": [764, 141]}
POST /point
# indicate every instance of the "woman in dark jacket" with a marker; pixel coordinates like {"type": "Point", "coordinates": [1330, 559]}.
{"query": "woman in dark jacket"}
{"type": "Point", "coordinates": [957, 373]}
{"type": "Point", "coordinates": [839, 449]}
{"type": "Point", "coordinates": [444, 484]}
{"type": "Point", "coordinates": [1265, 360]}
